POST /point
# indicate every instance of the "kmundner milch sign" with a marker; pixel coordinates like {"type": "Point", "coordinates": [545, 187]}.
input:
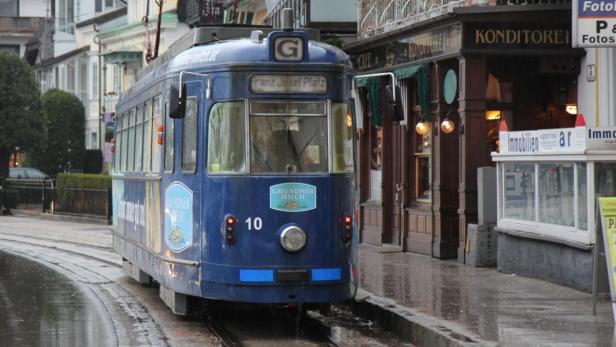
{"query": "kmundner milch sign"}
{"type": "Point", "coordinates": [594, 23]}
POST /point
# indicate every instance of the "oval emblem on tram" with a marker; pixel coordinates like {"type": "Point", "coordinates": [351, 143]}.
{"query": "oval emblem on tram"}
{"type": "Point", "coordinates": [178, 217]}
{"type": "Point", "coordinates": [293, 197]}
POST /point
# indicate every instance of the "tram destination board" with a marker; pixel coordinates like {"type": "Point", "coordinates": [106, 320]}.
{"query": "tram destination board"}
{"type": "Point", "coordinates": [594, 23]}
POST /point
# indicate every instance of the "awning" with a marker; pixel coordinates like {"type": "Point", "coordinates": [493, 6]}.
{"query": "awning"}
{"type": "Point", "coordinates": [421, 73]}
{"type": "Point", "coordinates": [407, 72]}
{"type": "Point", "coordinates": [119, 57]}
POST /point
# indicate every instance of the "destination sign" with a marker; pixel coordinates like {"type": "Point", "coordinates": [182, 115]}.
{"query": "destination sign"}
{"type": "Point", "coordinates": [306, 84]}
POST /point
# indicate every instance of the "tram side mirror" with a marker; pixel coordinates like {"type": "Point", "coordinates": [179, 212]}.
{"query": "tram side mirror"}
{"type": "Point", "coordinates": [394, 107]}
{"type": "Point", "coordinates": [177, 102]}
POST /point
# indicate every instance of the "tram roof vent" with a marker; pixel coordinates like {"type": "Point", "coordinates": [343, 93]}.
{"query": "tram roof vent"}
{"type": "Point", "coordinates": [205, 35]}
{"type": "Point", "coordinates": [256, 36]}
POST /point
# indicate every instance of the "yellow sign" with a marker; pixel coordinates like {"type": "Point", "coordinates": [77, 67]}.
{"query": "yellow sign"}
{"type": "Point", "coordinates": [607, 206]}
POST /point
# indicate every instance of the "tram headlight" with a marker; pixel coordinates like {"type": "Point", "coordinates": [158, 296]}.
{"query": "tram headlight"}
{"type": "Point", "coordinates": [293, 239]}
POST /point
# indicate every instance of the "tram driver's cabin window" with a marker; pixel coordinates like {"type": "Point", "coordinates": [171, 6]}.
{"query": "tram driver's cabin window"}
{"type": "Point", "coordinates": [423, 160]}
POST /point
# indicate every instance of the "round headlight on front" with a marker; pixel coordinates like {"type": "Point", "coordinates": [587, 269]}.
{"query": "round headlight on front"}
{"type": "Point", "coordinates": [293, 239]}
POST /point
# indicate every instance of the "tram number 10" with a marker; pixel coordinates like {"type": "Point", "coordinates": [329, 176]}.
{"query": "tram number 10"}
{"type": "Point", "coordinates": [254, 223]}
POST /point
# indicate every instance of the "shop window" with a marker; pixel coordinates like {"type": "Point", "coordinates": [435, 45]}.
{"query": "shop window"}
{"type": "Point", "coordinates": [423, 164]}
{"type": "Point", "coordinates": [561, 196]}
{"type": "Point", "coordinates": [556, 194]}
{"type": "Point", "coordinates": [376, 162]}
{"type": "Point", "coordinates": [582, 201]}
{"type": "Point", "coordinates": [519, 191]}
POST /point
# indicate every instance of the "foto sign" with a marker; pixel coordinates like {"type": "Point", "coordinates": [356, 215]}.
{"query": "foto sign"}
{"type": "Point", "coordinates": [594, 23]}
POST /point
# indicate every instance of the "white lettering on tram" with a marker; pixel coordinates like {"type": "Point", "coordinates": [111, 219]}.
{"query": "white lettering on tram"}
{"type": "Point", "coordinates": [132, 212]}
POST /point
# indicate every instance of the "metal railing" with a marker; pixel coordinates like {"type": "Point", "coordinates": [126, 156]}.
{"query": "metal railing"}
{"type": "Point", "coordinates": [379, 16]}
{"type": "Point", "coordinates": [20, 24]}
{"type": "Point", "coordinates": [44, 196]}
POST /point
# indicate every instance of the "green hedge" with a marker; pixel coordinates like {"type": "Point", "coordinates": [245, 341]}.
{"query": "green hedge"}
{"type": "Point", "coordinates": [82, 193]}
{"type": "Point", "coordinates": [85, 181]}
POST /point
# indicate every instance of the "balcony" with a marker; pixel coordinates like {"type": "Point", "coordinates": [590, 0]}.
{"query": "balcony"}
{"type": "Point", "coordinates": [380, 16]}
{"type": "Point", "coordinates": [20, 25]}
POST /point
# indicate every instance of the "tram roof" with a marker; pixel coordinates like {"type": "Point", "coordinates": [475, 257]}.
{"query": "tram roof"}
{"type": "Point", "coordinates": [238, 52]}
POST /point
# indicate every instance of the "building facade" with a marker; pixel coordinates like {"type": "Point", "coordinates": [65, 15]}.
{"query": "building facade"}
{"type": "Point", "coordinates": [463, 68]}
{"type": "Point", "coordinates": [21, 22]}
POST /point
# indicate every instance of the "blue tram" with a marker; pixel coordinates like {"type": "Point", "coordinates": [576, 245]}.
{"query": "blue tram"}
{"type": "Point", "coordinates": [233, 173]}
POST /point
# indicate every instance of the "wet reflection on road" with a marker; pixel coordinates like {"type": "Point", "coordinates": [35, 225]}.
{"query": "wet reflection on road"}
{"type": "Point", "coordinates": [40, 307]}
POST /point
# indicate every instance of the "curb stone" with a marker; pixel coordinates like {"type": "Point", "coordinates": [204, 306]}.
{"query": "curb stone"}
{"type": "Point", "coordinates": [412, 325]}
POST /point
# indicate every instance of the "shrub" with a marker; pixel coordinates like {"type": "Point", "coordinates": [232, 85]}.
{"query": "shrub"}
{"type": "Point", "coordinates": [83, 193]}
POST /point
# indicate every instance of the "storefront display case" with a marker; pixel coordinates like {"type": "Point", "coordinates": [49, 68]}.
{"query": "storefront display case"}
{"type": "Point", "coordinates": [548, 182]}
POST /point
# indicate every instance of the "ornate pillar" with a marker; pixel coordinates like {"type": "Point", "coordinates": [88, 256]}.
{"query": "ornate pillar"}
{"type": "Point", "coordinates": [473, 144]}
{"type": "Point", "coordinates": [444, 168]}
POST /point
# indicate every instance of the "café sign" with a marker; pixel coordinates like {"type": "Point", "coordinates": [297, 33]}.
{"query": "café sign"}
{"type": "Point", "coordinates": [433, 43]}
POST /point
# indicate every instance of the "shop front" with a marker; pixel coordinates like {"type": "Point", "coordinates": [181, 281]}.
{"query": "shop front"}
{"type": "Point", "coordinates": [548, 182]}
{"type": "Point", "coordinates": [457, 78]}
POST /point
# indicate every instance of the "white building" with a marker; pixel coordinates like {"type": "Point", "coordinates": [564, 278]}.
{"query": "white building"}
{"type": "Point", "coordinates": [20, 21]}
{"type": "Point", "coordinates": [74, 63]}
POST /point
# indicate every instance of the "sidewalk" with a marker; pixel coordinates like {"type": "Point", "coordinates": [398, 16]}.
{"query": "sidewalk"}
{"type": "Point", "coordinates": [447, 303]}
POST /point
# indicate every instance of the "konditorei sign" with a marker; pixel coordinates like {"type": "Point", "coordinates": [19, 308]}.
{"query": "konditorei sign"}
{"type": "Point", "coordinates": [517, 35]}
{"type": "Point", "coordinates": [594, 23]}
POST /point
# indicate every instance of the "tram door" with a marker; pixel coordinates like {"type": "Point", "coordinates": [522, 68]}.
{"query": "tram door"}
{"type": "Point", "coordinates": [183, 183]}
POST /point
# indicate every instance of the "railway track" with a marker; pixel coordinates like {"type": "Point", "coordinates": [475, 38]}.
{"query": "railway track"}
{"type": "Point", "coordinates": [140, 317]}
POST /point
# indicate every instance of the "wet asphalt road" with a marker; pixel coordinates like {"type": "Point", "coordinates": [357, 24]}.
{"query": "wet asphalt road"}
{"type": "Point", "coordinates": [61, 285]}
{"type": "Point", "coordinates": [40, 308]}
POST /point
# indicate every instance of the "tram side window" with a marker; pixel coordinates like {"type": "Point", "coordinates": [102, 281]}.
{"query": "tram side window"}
{"type": "Point", "coordinates": [147, 136]}
{"type": "Point", "coordinates": [189, 136]}
{"type": "Point", "coordinates": [169, 140]}
{"type": "Point", "coordinates": [118, 143]}
{"type": "Point", "coordinates": [139, 140]}
{"type": "Point", "coordinates": [226, 141]}
{"type": "Point", "coordinates": [130, 166]}
{"type": "Point", "coordinates": [125, 141]}
{"type": "Point", "coordinates": [342, 138]}
{"type": "Point", "coordinates": [156, 148]}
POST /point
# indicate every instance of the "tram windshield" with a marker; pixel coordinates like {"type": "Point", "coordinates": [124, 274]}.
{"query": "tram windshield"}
{"type": "Point", "coordinates": [288, 138]}
{"type": "Point", "coordinates": [281, 138]}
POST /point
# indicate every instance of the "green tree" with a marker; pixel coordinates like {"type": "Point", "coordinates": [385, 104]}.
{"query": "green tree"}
{"type": "Point", "coordinates": [21, 124]}
{"type": "Point", "coordinates": [64, 149]}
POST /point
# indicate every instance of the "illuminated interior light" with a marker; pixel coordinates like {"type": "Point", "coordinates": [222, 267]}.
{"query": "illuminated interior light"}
{"type": "Point", "coordinates": [493, 114]}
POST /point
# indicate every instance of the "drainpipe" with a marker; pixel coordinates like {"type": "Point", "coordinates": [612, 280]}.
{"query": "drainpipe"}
{"type": "Point", "coordinates": [100, 98]}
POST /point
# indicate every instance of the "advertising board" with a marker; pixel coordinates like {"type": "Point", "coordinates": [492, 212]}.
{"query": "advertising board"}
{"type": "Point", "coordinates": [594, 23]}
